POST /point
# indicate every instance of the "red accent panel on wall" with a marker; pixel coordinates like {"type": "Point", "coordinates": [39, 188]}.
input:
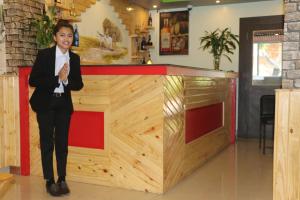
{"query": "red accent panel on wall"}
{"type": "Point", "coordinates": [87, 129]}
{"type": "Point", "coordinates": [199, 121]}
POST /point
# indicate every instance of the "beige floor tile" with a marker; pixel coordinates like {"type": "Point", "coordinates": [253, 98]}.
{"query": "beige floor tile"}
{"type": "Point", "coordinates": [240, 172]}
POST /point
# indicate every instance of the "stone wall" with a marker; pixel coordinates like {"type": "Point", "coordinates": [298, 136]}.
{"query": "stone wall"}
{"type": "Point", "coordinates": [291, 53]}
{"type": "Point", "coordinates": [2, 40]}
{"type": "Point", "coordinates": [20, 42]}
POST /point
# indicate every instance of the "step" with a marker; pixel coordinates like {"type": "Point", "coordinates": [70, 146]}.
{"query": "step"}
{"type": "Point", "coordinates": [6, 181]}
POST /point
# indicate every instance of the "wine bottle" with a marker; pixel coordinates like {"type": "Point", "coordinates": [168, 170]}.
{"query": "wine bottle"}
{"type": "Point", "coordinates": [149, 43]}
{"type": "Point", "coordinates": [143, 43]}
{"type": "Point", "coordinates": [76, 36]}
{"type": "Point", "coordinates": [165, 39]}
{"type": "Point", "coordinates": [143, 61]}
{"type": "Point", "coordinates": [150, 20]}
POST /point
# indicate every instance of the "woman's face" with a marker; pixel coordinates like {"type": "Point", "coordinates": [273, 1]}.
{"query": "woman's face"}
{"type": "Point", "coordinates": [64, 39]}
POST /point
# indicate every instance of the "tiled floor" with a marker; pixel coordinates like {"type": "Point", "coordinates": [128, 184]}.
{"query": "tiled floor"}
{"type": "Point", "coordinates": [240, 172]}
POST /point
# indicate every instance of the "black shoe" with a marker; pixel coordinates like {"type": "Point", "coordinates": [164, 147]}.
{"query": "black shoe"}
{"type": "Point", "coordinates": [63, 187]}
{"type": "Point", "coordinates": [53, 189]}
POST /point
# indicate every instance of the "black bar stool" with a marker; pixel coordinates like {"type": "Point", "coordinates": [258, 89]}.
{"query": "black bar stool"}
{"type": "Point", "coordinates": [267, 113]}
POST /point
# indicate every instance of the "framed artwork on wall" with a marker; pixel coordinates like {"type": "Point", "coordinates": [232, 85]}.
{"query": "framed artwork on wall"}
{"type": "Point", "coordinates": [174, 33]}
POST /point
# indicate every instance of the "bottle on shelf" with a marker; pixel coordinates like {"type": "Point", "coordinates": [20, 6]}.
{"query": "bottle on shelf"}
{"type": "Point", "coordinates": [76, 36]}
{"type": "Point", "coordinates": [165, 39]}
{"type": "Point", "coordinates": [143, 61]}
{"type": "Point", "coordinates": [150, 20]}
{"type": "Point", "coordinates": [143, 43]}
{"type": "Point", "coordinates": [149, 42]}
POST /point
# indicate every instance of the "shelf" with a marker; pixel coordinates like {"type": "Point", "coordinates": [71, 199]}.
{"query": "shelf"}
{"type": "Point", "coordinates": [144, 31]}
{"type": "Point", "coordinates": [136, 57]}
{"type": "Point", "coordinates": [143, 51]}
{"type": "Point", "coordinates": [149, 47]}
{"type": "Point", "coordinates": [134, 36]}
{"type": "Point", "coordinates": [149, 27]}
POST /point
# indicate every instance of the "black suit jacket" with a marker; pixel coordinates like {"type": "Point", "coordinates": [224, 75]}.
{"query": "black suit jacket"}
{"type": "Point", "coordinates": [43, 78]}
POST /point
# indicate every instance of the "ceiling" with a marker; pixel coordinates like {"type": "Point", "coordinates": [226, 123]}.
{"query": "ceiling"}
{"type": "Point", "coordinates": [184, 3]}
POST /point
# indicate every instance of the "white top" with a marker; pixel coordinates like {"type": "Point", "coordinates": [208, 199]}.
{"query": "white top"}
{"type": "Point", "coordinates": [60, 60]}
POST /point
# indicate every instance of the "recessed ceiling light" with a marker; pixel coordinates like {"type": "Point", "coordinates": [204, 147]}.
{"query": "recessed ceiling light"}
{"type": "Point", "coordinates": [154, 6]}
{"type": "Point", "coordinates": [129, 9]}
{"type": "Point", "coordinates": [218, 1]}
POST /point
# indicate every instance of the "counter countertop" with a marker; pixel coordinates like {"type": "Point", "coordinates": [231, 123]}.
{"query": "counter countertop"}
{"type": "Point", "coordinates": [153, 69]}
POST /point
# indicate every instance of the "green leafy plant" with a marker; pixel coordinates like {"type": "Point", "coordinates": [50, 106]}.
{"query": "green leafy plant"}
{"type": "Point", "coordinates": [219, 43]}
{"type": "Point", "coordinates": [44, 28]}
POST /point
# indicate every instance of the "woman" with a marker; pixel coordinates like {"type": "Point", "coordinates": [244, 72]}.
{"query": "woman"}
{"type": "Point", "coordinates": [55, 73]}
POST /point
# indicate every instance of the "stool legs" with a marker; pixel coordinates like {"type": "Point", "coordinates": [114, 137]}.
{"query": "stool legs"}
{"type": "Point", "coordinates": [264, 138]}
{"type": "Point", "coordinates": [260, 134]}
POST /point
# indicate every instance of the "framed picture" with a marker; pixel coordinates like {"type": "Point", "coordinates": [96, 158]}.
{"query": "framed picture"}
{"type": "Point", "coordinates": [174, 33]}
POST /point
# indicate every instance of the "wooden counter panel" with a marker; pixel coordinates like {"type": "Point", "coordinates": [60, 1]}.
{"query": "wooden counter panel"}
{"type": "Point", "coordinates": [94, 97]}
{"type": "Point", "coordinates": [136, 132]}
{"type": "Point", "coordinates": [132, 156]}
{"type": "Point", "coordinates": [181, 159]}
{"type": "Point", "coordinates": [203, 91]}
{"type": "Point", "coordinates": [286, 182]}
{"type": "Point", "coordinates": [174, 145]}
{"type": "Point", "coordinates": [9, 121]}
{"type": "Point", "coordinates": [144, 127]}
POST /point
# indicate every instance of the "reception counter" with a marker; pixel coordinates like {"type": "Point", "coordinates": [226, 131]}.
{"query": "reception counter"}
{"type": "Point", "coordinates": [142, 127]}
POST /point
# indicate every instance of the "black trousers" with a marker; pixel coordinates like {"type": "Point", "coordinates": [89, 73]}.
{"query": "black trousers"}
{"type": "Point", "coordinates": [54, 130]}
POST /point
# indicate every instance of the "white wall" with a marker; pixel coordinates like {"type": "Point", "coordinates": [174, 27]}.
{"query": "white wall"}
{"type": "Point", "coordinates": [209, 18]}
{"type": "Point", "coordinates": [91, 22]}
{"type": "Point", "coordinates": [2, 46]}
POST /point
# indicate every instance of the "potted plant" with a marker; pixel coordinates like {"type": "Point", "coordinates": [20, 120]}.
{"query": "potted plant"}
{"type": "Point", "coordinates": [219, 43]}
{"type": "Point", "coordinates": [44, 28]}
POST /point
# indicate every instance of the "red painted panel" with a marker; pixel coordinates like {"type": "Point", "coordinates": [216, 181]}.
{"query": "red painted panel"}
{"type": "Point", "coordinates": [199, 121]}
{"type": "Point", "coordinates": [124, 70]}
{"type": "Point", "coordinates": [233, 110]}
{"type": "Point", "coordinates": [87, 129]}
{"type": "Point", "coordinates": [24, 120]}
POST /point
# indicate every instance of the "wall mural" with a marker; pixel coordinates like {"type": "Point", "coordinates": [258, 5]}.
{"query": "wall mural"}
{"type": "Point", "coordinates": [104, 49]}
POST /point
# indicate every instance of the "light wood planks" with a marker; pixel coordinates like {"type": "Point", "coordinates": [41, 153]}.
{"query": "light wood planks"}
{"type": "Point", "coordinates": [133, 133]}
{"type": "Point", "coordinates": [144, 130]}
{"type": "Point", "coordinates": [174, 145]}
{"type": "Point", "coordinates": [5, 181]}
{"type": "Point", "coordinates": [9, 121]}
{"type": "Point", "coordinates": [181, 93]}
{"type": "Point", "coordinates": [136, 132]}
{"type": "Point", "coordinates": [286, 182]}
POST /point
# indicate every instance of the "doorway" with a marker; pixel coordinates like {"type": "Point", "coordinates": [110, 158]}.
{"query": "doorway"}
{"type": "Point", "coordinates": [255, 80]}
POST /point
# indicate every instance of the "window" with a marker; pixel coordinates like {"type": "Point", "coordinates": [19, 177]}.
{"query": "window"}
{"type": "Point", "coordinates": [267, 57]}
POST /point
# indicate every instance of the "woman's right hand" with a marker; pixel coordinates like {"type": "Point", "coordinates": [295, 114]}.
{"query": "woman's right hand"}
{"type": "Point", "coordinates": [63, 73]}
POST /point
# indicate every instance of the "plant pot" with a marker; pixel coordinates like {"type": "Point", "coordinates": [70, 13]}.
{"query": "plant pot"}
{"type": "Point", "coordinates": [217, 63]}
